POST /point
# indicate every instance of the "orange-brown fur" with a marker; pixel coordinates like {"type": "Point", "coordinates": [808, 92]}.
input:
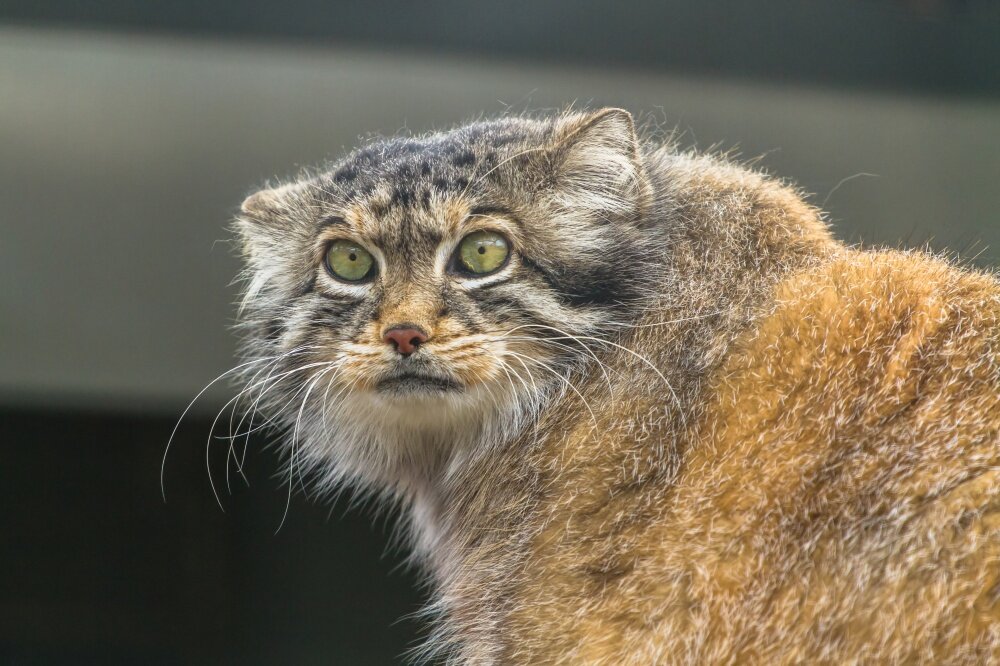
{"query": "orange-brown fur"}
{"type": "Point", "coordinates": [831, 495]}
{"type": "Point", "coordinates": [789, 453]}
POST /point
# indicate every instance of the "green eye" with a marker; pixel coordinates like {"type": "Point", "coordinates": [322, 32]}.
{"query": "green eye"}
{"type": "Point", "coordinates": [349, 261]}
{"type": "Point", "coordinates": [482, 252]}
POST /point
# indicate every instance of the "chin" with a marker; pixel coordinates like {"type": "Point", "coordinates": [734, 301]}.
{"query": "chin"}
{"type": "Point", "coordinates": [417, 385]}
{"type": "Point", "coordinates": [388, 428]}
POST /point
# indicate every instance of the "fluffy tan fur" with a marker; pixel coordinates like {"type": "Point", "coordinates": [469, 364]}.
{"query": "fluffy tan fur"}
{"type": "Point", "coordinates": [823, 488]}
{"type": "Point", "coordinates": [776, 448]}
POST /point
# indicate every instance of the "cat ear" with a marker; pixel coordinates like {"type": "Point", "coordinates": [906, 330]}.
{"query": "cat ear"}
{"type": "Point", "coordinates": [262, 215]}
{"type": "Point", "coordinates": [263, 205]}
{"type": "Point", "coordinates": [597, 164]}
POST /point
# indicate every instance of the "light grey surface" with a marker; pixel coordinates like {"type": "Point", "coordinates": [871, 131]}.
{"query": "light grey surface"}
{"type": "Point", "coordinates": [123, 158]}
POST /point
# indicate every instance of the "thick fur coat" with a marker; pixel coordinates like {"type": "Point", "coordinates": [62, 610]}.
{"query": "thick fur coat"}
{"type": "Point", "coordinates": [692, 427]}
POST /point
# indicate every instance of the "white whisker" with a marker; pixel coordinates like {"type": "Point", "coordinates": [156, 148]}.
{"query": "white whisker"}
{"type": "Point", "coordinates": [173, 433]}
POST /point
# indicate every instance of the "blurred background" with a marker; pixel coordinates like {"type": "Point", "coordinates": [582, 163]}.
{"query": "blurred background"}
{"type": "Point", "coordinates": [130, 132]}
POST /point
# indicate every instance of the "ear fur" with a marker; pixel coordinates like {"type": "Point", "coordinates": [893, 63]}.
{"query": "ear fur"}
{"type": "Point", "coordinates": [597, 164]}
{"type": "Point", "coordinates": [265, 225]}
{"type": "Point", "coordinates": [264, 211]}
{"type": "Point", "coordinates": [263, 205]}
{"type": "Point", "coordinates": [267, 229]}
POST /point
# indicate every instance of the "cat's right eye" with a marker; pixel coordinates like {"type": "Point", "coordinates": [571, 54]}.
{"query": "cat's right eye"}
{"type": "Point", "coordinates": [348, 261]}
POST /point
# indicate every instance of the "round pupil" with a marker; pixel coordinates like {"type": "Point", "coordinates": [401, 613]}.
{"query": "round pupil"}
{"type": "Point", "coordinates": [483, 252]}
{"type": "Point", "coordinates": [348, 261]}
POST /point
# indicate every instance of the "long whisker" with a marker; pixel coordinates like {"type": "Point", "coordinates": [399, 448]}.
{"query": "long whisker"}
{"type": "Point", "coordinates": [208, 451]}
{"type": "Point", "coordinates": [568, 383]}
{"type": "Point", "coordinates": [173, 433]}
{"type": "Point", "coordinates": [585, 347]}
{"type": "Point", "coordinates": [573, 350]}
{"type": "Point", "coordinates": [513, 390]}
{"type": "Point", "coordinates": [295, 430]}
{"type": "Point", "coordinates": [335, 368]}
{"type": "Point", "coordinates": [266, 385]}
{"type": "Point", "coordinates": [677, 401]}
{"type": "Point", "coordinates": [236, 427]}
{"type": "Point", "coordinates": [535, 387]}
{"type": "Point", "coordinates": [248, 389]}
{"type": "Point", "coordinates": [326, 394]}
{"type": "Point", "coordinates": [671, 322]}
{"type": "Point", "coordinates": [208, 443]}
{"type": "Point", "coordinates": [231, 453]}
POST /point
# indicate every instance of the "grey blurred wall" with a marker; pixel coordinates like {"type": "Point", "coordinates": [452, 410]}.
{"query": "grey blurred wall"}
{"type": "Point", "coordinates": [123, 158]}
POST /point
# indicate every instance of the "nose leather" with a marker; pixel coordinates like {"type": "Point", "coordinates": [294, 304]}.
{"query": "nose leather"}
{"type": "Point", "coordinates": [405, 339]}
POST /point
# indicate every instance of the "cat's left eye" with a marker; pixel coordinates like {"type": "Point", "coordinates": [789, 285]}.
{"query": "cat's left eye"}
{"type": "Point", "coordinates": [482, 252]}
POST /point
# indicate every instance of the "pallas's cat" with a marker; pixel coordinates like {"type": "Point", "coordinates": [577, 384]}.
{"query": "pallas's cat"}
{"type": "Point", "coordinates": [637, 405]}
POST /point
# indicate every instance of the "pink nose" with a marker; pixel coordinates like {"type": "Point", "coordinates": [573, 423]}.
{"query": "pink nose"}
{"type": "Point", "coordinates": [405, 339]}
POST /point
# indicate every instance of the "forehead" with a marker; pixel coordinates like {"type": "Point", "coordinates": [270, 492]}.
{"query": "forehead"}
{"type": "Point", "coordinates": [444, 162]}
{"type": "Point", "coordinates": [401, 188]}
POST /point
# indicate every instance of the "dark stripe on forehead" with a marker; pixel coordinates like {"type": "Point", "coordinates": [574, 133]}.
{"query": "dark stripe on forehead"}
{"type": "Point", "coordinates": [402, 196]}
{"type": "Point", "coordinates": [345, 174]}
{"type": "Point", "coordinates": [464, 158]}
{"type": "Point", "coordinates": [333, 221]}
{"type": "Point", "coordinates": [446, 185]}
{"type": "Point", "coordinates": [378, 208]}
{"type": "Point", "coordinates": [495, 211]}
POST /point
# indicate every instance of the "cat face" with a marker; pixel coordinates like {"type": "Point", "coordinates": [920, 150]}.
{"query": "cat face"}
{"type": "Point", "coordinates": [430, 294]}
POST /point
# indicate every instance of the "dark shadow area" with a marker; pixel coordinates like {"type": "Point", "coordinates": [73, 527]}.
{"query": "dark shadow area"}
{"type": "Point", "coordinates": [97, 569]}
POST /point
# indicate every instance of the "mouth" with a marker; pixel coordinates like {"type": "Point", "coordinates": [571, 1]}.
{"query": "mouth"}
{"type": "Point", "coordinates": [405, 383]}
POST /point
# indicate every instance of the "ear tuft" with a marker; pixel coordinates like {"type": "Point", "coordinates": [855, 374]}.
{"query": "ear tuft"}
{"type": "Point", "coordinates": [597, 163]}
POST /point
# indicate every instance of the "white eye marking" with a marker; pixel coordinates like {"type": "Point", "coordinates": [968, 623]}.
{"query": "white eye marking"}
{"type": "Point", "coordinates": [333, 286]}
{"type": "Point", "coordinates": [443, 256]}
{"type": "Point", "coordinates": [470, 282]}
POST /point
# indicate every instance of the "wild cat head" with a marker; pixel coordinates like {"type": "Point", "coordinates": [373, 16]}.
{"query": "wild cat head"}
{"type": "Point", "coordinates": [426, 295]}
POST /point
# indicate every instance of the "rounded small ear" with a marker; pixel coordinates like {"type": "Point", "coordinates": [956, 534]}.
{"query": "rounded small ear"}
{"type": "Point", "coordinates": [260, 217]}
{"type": "Point", "coordinates": [608, 129]}
{"type": "Point", "coordinates": [597, 162]}
{"type": "Point", "coordinates": [262, 205]}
